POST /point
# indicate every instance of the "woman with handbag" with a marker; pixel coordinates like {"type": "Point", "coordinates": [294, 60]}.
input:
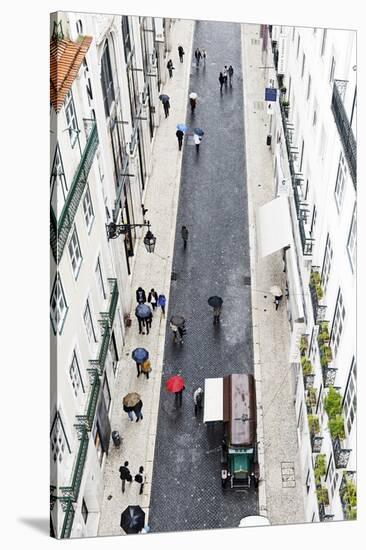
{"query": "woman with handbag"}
{"type": "Point", "coordinates": [146, 368]}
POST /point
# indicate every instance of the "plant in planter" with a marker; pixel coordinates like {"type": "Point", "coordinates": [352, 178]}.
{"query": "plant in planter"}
{"type": "Point", "coordinates": [323, 335]}
{"type": "Point", "coordinates": [320, 468]}
{"type": "Point", "coordinates": [315, 282]}
{"type": "Point", "coordinates": [349, 498]}
{"type": "Point", "coordinates": [326, 355]}
{"type": "Point", "coordinates": [322, 495]}
{"type": "Point", "coordinates": [314, 426]}
{"type": "Point", "coordinates": [303, 346]}
{"type": "Point", "coordinates": [336, 427]}
{"type": "Point", "coordinates": [311, 397]}
{"type": "Point", "coordinates": [307, 367]}
{"type": "Point", "coordinates": [333, 402]}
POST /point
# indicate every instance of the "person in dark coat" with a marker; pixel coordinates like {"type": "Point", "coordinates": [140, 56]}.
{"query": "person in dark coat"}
{"type": "Point", "coordinates": [142, 324]}
{"type": "Point", "coordinates": [180, 53]}
{"type": "Point", "coordinates": [221, 80]}
{"type": "Point", "coordinates": [137, 410]}
{"type": "Point", "coordinates": [197, 55]}
{"type": "Point", "coordinates": [184, 233]}
{"type": "Point", "coordinates": [192, 101]}
{"type": "Point", "coordinates": [138, 367]}
{"type": "Point", "coordinates": [178, 397]}
{"type": "Point", "coordinates": [166, 106]}
{"type": "Point", "coordinates": [140, 295]}
{"type": "Point", "coordinates": [180, 136]}
{"type": "Point", "coordinates": [162, 302]}
{"type": "Point", "coordinates": [224, 72]}
{"type": "Point", "coordinates": [140, 478]}
{"type": "Point", "coordinates": [125, 475]}
{"type": "Point", "coordinates": [170, 67]}
{"type": "Point", "coordinates": [230, 73]}
{"type": "Point", "coordinates": [153, 298]}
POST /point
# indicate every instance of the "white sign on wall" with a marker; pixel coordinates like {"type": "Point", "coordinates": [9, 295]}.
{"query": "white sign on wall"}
{"type": "Point", "coordinates": [281, 53]}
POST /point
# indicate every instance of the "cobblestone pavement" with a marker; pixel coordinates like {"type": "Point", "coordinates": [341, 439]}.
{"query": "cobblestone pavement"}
{"type": "Point", "coordinates": [186, 487]}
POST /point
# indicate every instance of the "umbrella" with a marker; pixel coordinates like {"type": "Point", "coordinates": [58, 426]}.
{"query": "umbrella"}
{"type": "Point", "coordinates": [132, 519]}
{"type": "Point", "coordinates": [193, 95]}
{"type": "Point", "coordinates": [164, 97]}
{"type": "Point", "coordinates": [140, 355]}
{"type": "Point", "coordinates": [182, 127]}
{"type": "Point", "coordinates": [177, 320]}
{"type": "Point", "coordinates": [143, 311]}
{"type": "Point", "coordinates": [174, 383]}
{"type": "Point", "coordinates": [131, 399]}
{"type": "Point", "coordinates": [198, 131]}
{"type": "Point", "coordinates": [275, 291]}
{"type": "Point", "coordinates": [215, 301]}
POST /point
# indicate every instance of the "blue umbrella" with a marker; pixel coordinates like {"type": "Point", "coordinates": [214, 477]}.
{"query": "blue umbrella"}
{"type": "Point", "coordinates": [140, 355]}
{"type": "Point", "coordinates": [182, 127]}
{"type": "Point", "coordinates": [143, 311]}
{"type": "Point", "coordinates": [198, 131]}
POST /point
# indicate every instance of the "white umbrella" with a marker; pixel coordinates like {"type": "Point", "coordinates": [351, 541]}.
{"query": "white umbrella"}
{"type": "Point", "coordinates": [193, 95]}
{"type": "Point", "coordinates": [276, 291]}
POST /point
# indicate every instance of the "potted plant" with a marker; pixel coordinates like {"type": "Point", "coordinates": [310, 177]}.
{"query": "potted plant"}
{"type": "Point", "coordinates": [311, 397]}
{"type": "Point", "coordinates": [314, 426]}
{"type": "Point", "coordinates": [303, 346]}
{"type": "Point", "coordinates": [336, 427]}
{"type": "Point", "coordinates": [326, 355]}
{"type": "Point", "coordinates": [307, 367]}
{"type": "Point", "coordinates": [349, 499]}
{"type": "Point", "coordinates": [333, 402]}
{"type": "Point", "coordinates": [320, 468]}
{"type": "Point", "coordinates": [322, 495]}
{"type": "Point", "coordinates": [315, 282]}
{"type": "Point", "coordinates": [323, 335]}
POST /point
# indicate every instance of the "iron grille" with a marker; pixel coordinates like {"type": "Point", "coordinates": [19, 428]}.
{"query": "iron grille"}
{"type": "Point", "coordinates": [345, 130]}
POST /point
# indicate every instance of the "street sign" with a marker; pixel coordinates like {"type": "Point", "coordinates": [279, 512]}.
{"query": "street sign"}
{"type": "Point", "coordinates": [270, 94]}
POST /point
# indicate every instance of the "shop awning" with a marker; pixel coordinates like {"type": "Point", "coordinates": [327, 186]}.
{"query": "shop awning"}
{"type": "Point", "coordinates": [213, 410]}
{"type": "Point", "coordinates": [273, 226]}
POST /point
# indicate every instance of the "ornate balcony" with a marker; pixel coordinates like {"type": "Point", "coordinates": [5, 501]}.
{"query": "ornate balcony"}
{"type": "Point", "coordinates": [68, 520]}
{"type": "Point", "coordinates": [344, 128]}
{"type": "Point", "coordinates": [306, 241]}
{"type": "Point", "coordinates": [113, 302]}
{"type": "Point", "coordinates": [329, 376]}
{"type": "Point", "coordinates": [323, 516]}
{"type": "Point", "coordinates": [341, 455]}
{"type": "Point", "coordinates": [316, 443]}
{"type": "Point", "coordinates": [316, 294]}
{"type": "Point", "coordinates": [71, 205]}
{"type": "Point", "coordinates": [73, 490]}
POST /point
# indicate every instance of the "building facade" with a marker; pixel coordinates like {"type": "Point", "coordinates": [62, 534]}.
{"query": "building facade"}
{"type": "Point", "coordinates": [313, 141]}
{"type": "Point", "coordinates": [106, 75]}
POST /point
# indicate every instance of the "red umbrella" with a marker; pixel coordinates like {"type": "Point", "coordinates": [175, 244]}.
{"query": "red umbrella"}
{"type": "Point", "coordinates": [174, 384]}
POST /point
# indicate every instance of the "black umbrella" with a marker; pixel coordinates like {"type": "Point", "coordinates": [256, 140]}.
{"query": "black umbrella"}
{"type": "Point", "coordinates": [164, 97]}
{"type": "Point", "coordinates": [215, 301]}
{"type": "Point", "coordinates": [198, 131]}
{"type": "Point", "coordinates": [143, 311]}
{"type": "Point", "coordinates": [132, 519]}
{"type": "Point", "coordinates": [177, 320]}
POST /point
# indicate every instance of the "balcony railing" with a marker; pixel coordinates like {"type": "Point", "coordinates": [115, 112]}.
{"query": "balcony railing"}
{"type": "Point", "coordinates": [323, 516]}
{"type": "Point", "coordinates": [316, 443]}
{"type": "Point", "coordinates": [319, 310]}
{"type": "Point", "coordinates": [306, 241]}
{"type": "Point", "coordinates": [341, 455]}
{"type": "Point", "coordinates": [344, 129]}
{"type": "Point", "coordinates": [71, 205]}
{"type": "Point", "coordinates": [113, 301]}
{"type": "Point", "coordinates": [68, 520]}
{"type": "Point", "coordinates": [53, 234]}
{"type": "Point", "coordinates": [329, 376]}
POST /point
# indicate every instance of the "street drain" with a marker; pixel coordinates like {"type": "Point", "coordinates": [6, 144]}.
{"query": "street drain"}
{"type": "Point", "coordinates": [174, 276]}
{"type": "Point", "coordinates": [247, 280]}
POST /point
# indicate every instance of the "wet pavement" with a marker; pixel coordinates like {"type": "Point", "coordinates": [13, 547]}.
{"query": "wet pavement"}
{"type": "Point", "coordinates": [186, 488]}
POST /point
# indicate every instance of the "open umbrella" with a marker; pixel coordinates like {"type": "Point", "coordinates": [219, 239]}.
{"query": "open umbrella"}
{"type": "Point", "coordinates": [215, 301]}
{"type": "Point", "coordinates": [177, 320]}
{"type": "Point", "coordinates": [182, 127]}
{"type": "Point", "coordinates": [143, 311]}
{"type": "Point", "coordinates": [174, 383]}
{"type": "Point", "coordinates": [193, 95]}
{"type": "Point", "coordinates": [198, 131]}
{"type": "Point", "coordinates": [131, 399]}
{"type": "Point", "coordinates": [164, 97]}
{"type": "Point", "coordinates": [275, 291]}
{"type": "Point", "coordinates": [140, 355]}
{"type": "Point", "coordinates": [132, 519]}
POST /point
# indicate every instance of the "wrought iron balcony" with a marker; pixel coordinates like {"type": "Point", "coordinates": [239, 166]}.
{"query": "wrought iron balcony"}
{"type": "Point", "coordinates": [319, 310]}
{"type": "Point", "coordinates": [316, 443]}
{"type": "Point", "coordinates": [309, 381]}
{"type": "Point", "coordinates": [329, 376]}
{"type": "Point", "coordinates": [323, 516]}
{"type": "Point", "coordinates": [78, 184]}
{"type": "Point", "coordinates": [73, 491]}
{"type": "Point", "coordinates": [306, 241]}
{"type": "Point", "coordinates": [113, 302]}
{"type": "Point", "coordinates": [99, 363]}
{"type": "Point", "coordinates": [68, 520]}
{"type": "Point", "coordinates": [53, 234]}
{"type": "Point", "coordinates": [344, 128]}
{"type": "Point", "coordinates": [341, 455]}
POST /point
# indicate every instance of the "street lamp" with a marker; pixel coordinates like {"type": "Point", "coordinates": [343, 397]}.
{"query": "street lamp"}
{"type": "Point", "coordinates": [114, 231]}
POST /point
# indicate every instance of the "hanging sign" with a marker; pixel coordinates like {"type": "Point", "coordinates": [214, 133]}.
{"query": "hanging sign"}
{"type": "Point", "coordinates": [270, 94]}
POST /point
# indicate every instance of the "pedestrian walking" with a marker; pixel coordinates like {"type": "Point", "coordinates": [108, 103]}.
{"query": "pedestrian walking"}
{"type": "Point", "coordinates": [204, 55]}
{"type": "Point", "coordinates": [184, 232]}
{"type": "Point", "coordinates": [162, 302]}
{"type": "Point", "coordinates": [146, 368]}
{"type": "Point", "coordinates": [197, 400]}
{"type": "Point", "coordinates": [138, 367]}
{"type": "Point", "coordinates": [197, 141]}
{"type": "Point", "coordinates": [192, 101]}
{"type": "Point", "coordinates": [180, 333]}
{"type": "Point", "coordinates": [180, 53]}
{"type": "Point", "coordinates": [170, 67]}
{"type": "Point", "coordinates": [137, 410]}
{"type": "Point", "coordinates": [224, 73]}
{"type": "Point", "coordinates": [153, 298]}
{"type": "Point", "coordinates": [140, 478]}
{"type": "Point", "coordinates": [197, 55]}
{"type": "Point", "coordinates": [230, 73]}
{"type": "Point", "coordinates": [221, 80]}
{"type": "Point", "coordinates": [140, 295]}
{"type": "Point", "coordinates": [148, 322]}
{"type": "Point", "coordinates": [178, 397]}
{"type": "Point", "coordinates": [277, 300]}
{"type": "Point", "coordinates": [179, 135]}
{"type": "Point", "coordinates": [129, 411]}
{"type": "Point", "coordinates": [142, 323]}
{"type": "Point", "coordinates": [125, 475]}
{"type": "Point", "coordinates": [166, 106]}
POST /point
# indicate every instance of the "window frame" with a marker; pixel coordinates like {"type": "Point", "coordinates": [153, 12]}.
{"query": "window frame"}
{"type": "Point", "coordinates": [332, 70]}
{"type": "Point", "coordinates": [327, 263]}
{"type": "Point", "coordinates": [349, 403]}
{"type": "Point", "coordinates": [78, 375]}
{"type": "Point", "coordinates": [75, 254]}
{"type": "Point", "coordinates": [71, 118]}
{"type": "Point", "coordinates": [352, 235]}
{"type": "Point", "coordinates": [99, 277]}
{"type": "Point", "coordinates": [303, 65]}
{"type": "Point", "coordinates": [340, 185]}
{"type": "Point", "coordinates": [106, 77]}
{"type": "Point", "coordinates": [84, 511]}
{"type": "Point", "coordinates": [87, 309]}
{"type": "Point", "coordinates": [57, 421]}
{"type": "Point", "coordinates": [58, 325]}
{"type": "Point", "coordinates": [338, 323]}
{"type": "Point", "coordinates": [309, 87]}
{"type": "Point", "coordinates": [58, 181]}
{"type": "Point", "coordinates": [88, 210]}
{"type": "Point", "coordinates": [324, 41]}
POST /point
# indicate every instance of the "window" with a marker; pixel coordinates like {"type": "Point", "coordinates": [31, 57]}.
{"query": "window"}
{"type": "Point", "coordinates": [72, 124]}
{"type": "Point", "coordinates": [107, 80]}
{"type": "Point", "coordinates": [79, 26]}
{"type": "Point", "coordinates": [107, 394]}
{"type": "Point", "coordinates": [340, 182]}
{"type": "Point", "coordinates": [58, 306]}
{"type": "Point", "coordinates": [324, 40]}
{"type": "Point", "coordinates": [84, 511]}
{"type": "Point", "coordinates": [88, 209]}
{"type": "Point", "coordinates": [352, 241]}
{"type": "Point", "coordinates": [126, 37]}
{"type": "Point", "coordinates": [350, 397]}
{"type": "Point", "coordinates": [332, 476]}
{"type": "Point", "coordinates": [302, 155]}
{"type": "Point", "coordinates": [338, 322]}
{"type": "Point", "coordinates": [332, 69]}
{"type": "Point", "coordinates": [59, 189]}
{"type": "Point", "coordinates": [303, 65]}
{"type": "Point", "coordinates": [313, 220]}
{"type": "Point", "coordinates": [315, 112]}
{"type": "Point", "coordinates": [99, 276]}
{"type": "Point", "coordinates": [98, 442]}
{"type": "Point", "coordinates": [75, 376]}
{"type": "Point", "coordinates": [327, 262]}
{"type": "Point", "coordinates": [59, 442]}
{"type": "Point", "coordinates": [309, 88]}
{"type": "Point", "coordinates": [88, 321]}
{"type": "Point", "coordinates": [75, 253]}
{"type": "Point", "coordinates": [298, 47]}
{"type": "Point", "coordinates": [293, 33]}
{"type": "Point", "coordinates": [308, 482]}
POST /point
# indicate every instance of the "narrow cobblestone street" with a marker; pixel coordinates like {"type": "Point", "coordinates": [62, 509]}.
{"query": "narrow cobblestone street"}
{"type": "Point", "coordinates": [186, 486]}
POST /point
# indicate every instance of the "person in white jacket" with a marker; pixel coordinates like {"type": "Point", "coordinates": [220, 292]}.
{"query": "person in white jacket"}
{"type": "Point", "coordinates": [197, 140]}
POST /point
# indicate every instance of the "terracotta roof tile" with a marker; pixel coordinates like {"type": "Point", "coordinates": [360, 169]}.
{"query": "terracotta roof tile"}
{"type": "Point", "coordinates": [66, 58]}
